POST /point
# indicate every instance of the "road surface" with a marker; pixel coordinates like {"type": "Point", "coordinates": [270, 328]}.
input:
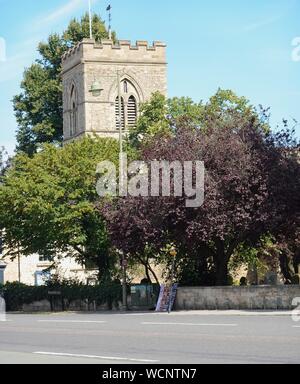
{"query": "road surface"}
{"type": "Point", "coordinates": [149, 338]}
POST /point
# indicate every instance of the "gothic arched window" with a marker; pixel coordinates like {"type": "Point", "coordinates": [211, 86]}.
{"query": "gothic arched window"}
{"type": "Point", "coordinates": [118, 113]}
{"type": "Point", "coordinates": [131, 111]}
{"type": "Point", "coordinates": [73, 111]}
{"type": "Point", "coordinates": [74, 119]}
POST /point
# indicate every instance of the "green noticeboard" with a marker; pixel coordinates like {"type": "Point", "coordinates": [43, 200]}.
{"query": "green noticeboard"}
{"type": "Point", "coordinates": [144, 296]}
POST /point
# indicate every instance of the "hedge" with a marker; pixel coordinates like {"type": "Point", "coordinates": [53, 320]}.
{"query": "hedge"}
{"type": "Point", "coordinates": [17, 294]}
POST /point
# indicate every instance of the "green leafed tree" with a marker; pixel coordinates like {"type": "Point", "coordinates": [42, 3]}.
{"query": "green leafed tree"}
{"type": "Point", "coordinates": [38, 108]}
{"type": "Point", "coordinates": [48, 203]}
{"type": "Point", "coordinates": [161, 116]}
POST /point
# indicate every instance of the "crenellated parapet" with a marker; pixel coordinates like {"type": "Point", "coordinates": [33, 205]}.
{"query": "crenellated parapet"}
{"type": "Point", "coordinates": [141, 69]}
{"type": "Point", "coordinates": [122, 50]}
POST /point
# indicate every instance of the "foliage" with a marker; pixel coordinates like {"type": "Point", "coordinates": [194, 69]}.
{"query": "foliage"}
{"type": "Point", "coordinates": [38, 107]}
{"type": "Point", "coordinates": [225, 102]}
{"type": "Point", "coordinates": [290, 256]}
{"type": "Point", "coordinates": [264, 256]}
{"type": "Point", "coordinates": [251, 189]}
{"type": "Point", "coordinates": [17, 294]}
{"type": "Point", "coordinates": [48, 203]}
{"type": "Point", "coordinates": [160, 116]}
{"type": "Point", "coordinates": [193, 266]}
{"type": "Point", "coordinates": [108, 292]}
{"type": "Point", "coordinates": [153, 121]}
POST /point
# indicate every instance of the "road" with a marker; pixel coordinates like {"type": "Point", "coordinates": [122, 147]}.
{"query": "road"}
{"type": "Point", "coordinates": [149, 338]}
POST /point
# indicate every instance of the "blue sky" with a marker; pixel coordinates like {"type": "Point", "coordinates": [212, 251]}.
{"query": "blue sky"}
{"type": "Point", "coordinates": [233, 44]}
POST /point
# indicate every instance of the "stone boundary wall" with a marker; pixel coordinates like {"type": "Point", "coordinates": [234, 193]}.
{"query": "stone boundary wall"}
{"type": "Point", "coordinates": [237, 298]}
{"type": "Point", "coordinates": [206, 298]}
{"type": "Point", "coordinates": [76, 306]}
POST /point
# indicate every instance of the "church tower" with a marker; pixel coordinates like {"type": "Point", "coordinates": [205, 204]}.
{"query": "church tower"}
{"type": "Point", "coordinates": [90, 85]}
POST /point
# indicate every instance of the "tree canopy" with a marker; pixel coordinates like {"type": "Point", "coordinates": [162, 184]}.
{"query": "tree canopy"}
{"type": "Point", "coordinates": [160, 116]}
{"type": "Point", "coordinates": [251, 189]}
{"type": "Point", "coordinates": [48, 203]}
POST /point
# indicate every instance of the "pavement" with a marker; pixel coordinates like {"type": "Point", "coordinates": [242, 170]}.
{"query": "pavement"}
{"type": "Point", "coordinates": [203, 337]}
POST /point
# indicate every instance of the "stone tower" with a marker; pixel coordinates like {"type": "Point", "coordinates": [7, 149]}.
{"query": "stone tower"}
{"type": "Point", "coordinates": [95, 66]}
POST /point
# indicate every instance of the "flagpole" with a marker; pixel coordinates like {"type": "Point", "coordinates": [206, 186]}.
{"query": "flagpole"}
{"type": "Point", "coordinates": [108, 9]}
{"type": "Point", "coordinates": [109, 22]}
{"type": "Point", "coordinates": [90, 19]}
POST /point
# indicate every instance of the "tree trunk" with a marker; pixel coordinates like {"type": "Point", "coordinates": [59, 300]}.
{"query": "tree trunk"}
{"type": "Point", "coordinates": [297, 262]}
{"type": "Point", "coordinates": [222, 273]}
{"type": "Point", "coordinates": [221, 264]}
{"type": "Point", "coordinates": [104, 268]}
{"type": "Point", "coordinates": [148, 274]}
{"type": "Point", "coordinates": [154, 274]}
{"type": "Point", "coordinates": [287, 267]}
{"type": "Point", "coordinates": [148, 267]}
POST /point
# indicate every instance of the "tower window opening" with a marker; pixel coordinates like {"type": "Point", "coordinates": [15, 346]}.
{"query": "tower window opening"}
{"type": "Point", "coordinates": [122, 113]}
{"type": "Point", "coordinates": [73, 111]}
{"type": "Point", "coordinates": [73, 120]}
{"type": "Point", "coordinates": [132, 111]}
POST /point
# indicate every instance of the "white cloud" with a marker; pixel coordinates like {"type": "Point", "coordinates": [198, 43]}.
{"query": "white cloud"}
{"type": "Point", "coordinates": [262, 23]}
{"type": "Point", "coordinates": [13, 67]}
{"type": "Point", "coordinates": [2, 49]}
{"type": "Point", "coordinates": [275, 13]}
{"type": "Point", "coordinates": [65, 10]}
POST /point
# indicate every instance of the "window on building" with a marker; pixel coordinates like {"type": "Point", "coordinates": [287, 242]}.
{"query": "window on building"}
{"type": "Point", "coordinates": [74, 119]}
{"type": "Point", "coordinates": [122, 113]}
{"type": "Point", "coordinates": [73, 111]}
{"type": "Point", "coordinates": [131, 111]}
{"type": "Point", "coordinates": [43, 258]}
{"type": "Point", "coordinates": [90, 265]}
{"type": "Point", "coordinates": [41, 278]}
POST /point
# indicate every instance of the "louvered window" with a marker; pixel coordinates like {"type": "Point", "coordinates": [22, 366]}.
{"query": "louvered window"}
{"type": "Point", "coordinates": [131, 111]}
{"type": "Point", "coordinates": [117, 113]}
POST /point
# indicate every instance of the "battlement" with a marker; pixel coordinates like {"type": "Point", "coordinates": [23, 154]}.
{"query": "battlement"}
{"type": "Point", "coordinates": [122, 50]}
{"type": "Point", "coordinates": [91, 65]}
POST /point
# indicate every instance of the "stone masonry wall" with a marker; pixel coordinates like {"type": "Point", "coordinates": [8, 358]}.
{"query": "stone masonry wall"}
{"type": "Point", "coordinates": [237, 298]}
{"type": "Point", "coordinates": [144, 66]}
